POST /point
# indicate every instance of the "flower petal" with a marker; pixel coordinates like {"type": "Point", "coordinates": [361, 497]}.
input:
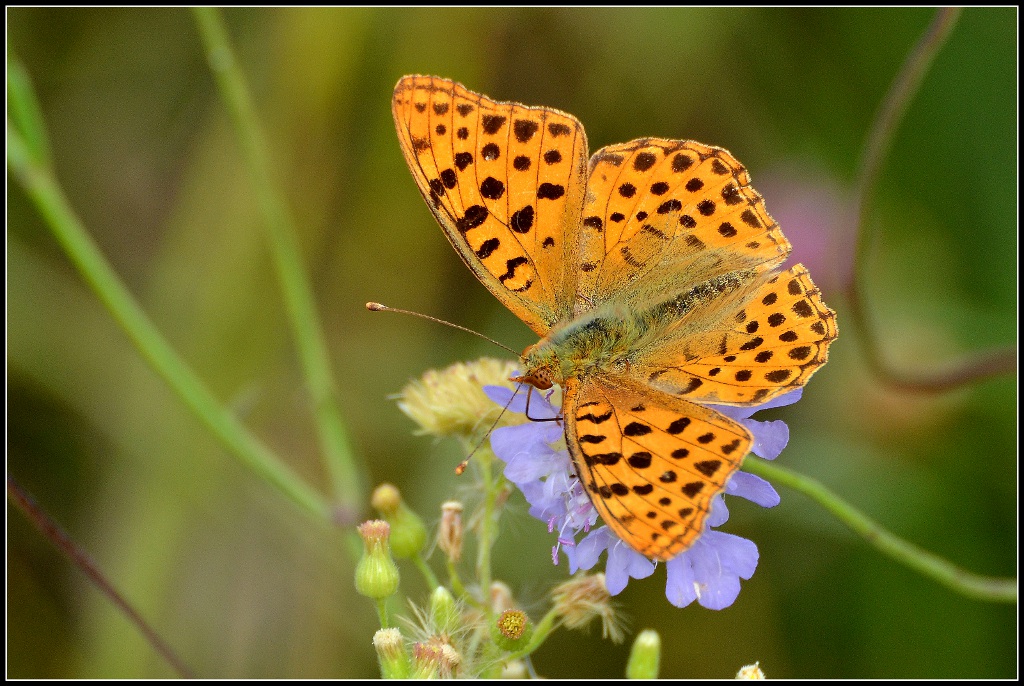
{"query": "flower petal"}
{"type": "Point", "coordinates": [719, 513]}
{"type": "Point", "coordinates": [738, 413]}
{"type": "Point", "coordinates": [679, 588]}
{"type": "Point", "coordinates": [770, 438]}
{"type": "Point", "coordinates": [540, 408]}
{"type": "Point", "coordinates": [753, 488]}
{"type": "Point", "coordinates": [719, 561]}
{"type": "Point", "coordinates": [623, 563]}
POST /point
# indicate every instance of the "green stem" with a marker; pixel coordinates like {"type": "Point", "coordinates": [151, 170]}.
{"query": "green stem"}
{"type": "Point", "coordinates": [880, 137]}
{"type": "Point", "coordinates": [994, 589]}
{"type": "Point", "coordinates": [382, 612]}
{"type": "Point", "coordinates": [347, 480]}
{"type": "Point", "coordinates": [24, 110]}
{"type": "Point", "coordinates": [460, 590]}
{"type": "Point", "coordinates": [485, 540]}
{"type": "Point", "coordinates": [42, 188]}
{"type": "Point", "coordinates": [426, 571]}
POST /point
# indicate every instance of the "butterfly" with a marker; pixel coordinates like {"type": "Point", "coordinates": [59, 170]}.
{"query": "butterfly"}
{"type": "Point", "coordinates": [651, 272]}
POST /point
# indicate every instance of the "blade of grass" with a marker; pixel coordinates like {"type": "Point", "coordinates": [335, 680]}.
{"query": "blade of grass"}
{"type": "Point", "coordinates": [348, 480]}
{"type": "Point", "coordinates": [42, 187]}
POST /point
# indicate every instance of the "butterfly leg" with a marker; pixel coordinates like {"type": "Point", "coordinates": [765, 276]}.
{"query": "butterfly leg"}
{"type": "Point", "coordinates": [529, 394]}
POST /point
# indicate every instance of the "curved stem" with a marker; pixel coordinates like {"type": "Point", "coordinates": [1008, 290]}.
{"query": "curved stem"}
{"type": "Point", "coordinates": [426, 571]}
{"type": "Point", "coordinates": [60, 539]}
{"type": "Point", "coordinates": [994, 589]}
{"type": "Point", "coordinates": [880, 137]}
{"type": "Point", "coordinates": [347, 479]}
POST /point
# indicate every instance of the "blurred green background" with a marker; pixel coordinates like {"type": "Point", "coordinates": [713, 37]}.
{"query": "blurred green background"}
{"type": "Point", "coordinates": [239, 581]}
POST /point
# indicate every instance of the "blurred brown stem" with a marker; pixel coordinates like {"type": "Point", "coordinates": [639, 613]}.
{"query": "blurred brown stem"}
{"type": "Point", "coordinates": [887, 120]}
{"type": "Point", "coordinates": [60, 539]}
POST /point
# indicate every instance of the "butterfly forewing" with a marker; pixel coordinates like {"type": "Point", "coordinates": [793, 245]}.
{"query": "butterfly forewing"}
{"type": "Point", "coordinates": [506, 183]}
{"type": "Point", "coordinates": [659, 209]}
{"type": "Point", "coordinates": [651, 463]}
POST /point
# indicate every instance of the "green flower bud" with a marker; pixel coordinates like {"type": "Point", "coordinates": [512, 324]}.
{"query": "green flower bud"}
{"type": "Point", "coordinates": [426, 661]}
{"type": "Point", "coordinates": [391, 653]}
{"type": "Point", "coordinates": [512, 631]}
{"type": "Point", "coordinates": [645, 657]}
{"type": "Point", "coordinates": [376, 573]}
{"type": "Point", "coordinates": [445, 617]}
{"type": "Point", "coordinates": [408, 533]}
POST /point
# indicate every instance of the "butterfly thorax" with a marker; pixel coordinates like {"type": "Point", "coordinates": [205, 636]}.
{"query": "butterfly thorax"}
{"type": "Point", "coordinates": [606, 340]}
{"type": "Point", "coordinates": [596, 343]}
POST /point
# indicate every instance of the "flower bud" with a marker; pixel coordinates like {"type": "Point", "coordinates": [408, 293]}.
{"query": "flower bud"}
{"type": "Point", "coordinates": [751, 672]}
{"type": "Point", "coordinates": [445, 617]}
{"type": "Point", "coordinates": [394, 660]}
{"type": "Point", "coordinates": [376, 573]}
{"type": "Point", "coordinates": [449, 661]}
{"type": "Point", "coordinates": [514, 669]}
{"type": "Point", "coordinates": [501, 597]}
{"type": "Point", "coordinates": [645, 657]}
{"type": "Point", "coordinates": [408, 533]}
{"type": "Point", "coordinates": [512, 631]}
{"type": "Point", "coordinates": [450, 533]}
{"type": "Point", "coordinates": [426, 661]}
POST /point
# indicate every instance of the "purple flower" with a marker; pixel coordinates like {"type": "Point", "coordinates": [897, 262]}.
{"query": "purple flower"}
{"type": "Point", "coordinates": [708, 572]}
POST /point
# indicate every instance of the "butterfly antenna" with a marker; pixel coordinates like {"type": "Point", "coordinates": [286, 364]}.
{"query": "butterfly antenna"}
{"type": "Point", "coordinates": [462, 465]}
{"type": "Point", "coordinates": [377, 307]}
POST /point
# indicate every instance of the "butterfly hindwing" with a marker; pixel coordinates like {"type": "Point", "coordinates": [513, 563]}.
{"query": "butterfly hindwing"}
{"type": "Point", "coordinates": [650, 462]}
{"type": "Point", "coordinates": [506, 183]}
{"type": "Point", "coordinates": [771, 344]}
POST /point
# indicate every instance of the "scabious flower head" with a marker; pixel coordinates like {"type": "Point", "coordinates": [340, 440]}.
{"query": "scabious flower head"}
{"type": "Point", "coordinates": [450, 402]}
{"type": "Point", "coordinates": [708, 572]}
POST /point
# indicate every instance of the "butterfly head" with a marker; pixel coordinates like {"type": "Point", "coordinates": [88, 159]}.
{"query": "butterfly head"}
{"type": "Point", "coordinates": [541, 366]}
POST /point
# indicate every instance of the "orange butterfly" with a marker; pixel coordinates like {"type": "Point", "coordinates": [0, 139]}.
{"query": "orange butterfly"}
{"type": "Point", "coordinates": [650, 273]}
